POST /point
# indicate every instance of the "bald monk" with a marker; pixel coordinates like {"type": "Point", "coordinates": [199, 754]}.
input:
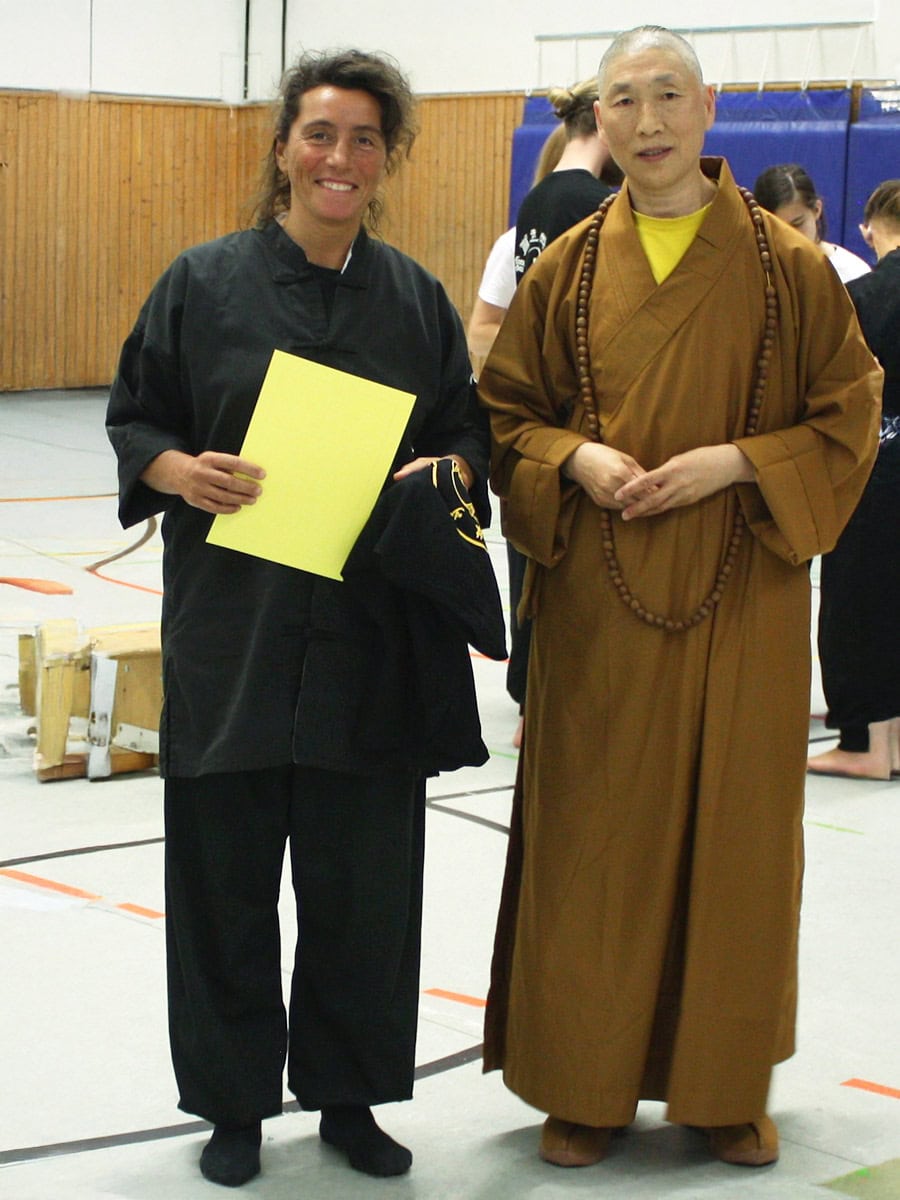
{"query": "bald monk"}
{"type": "Point", "coordinates": [684, 412]}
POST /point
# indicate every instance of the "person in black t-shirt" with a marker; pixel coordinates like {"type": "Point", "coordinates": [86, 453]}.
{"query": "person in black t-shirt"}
{"type": "Point", "coordinates": [584, 176]}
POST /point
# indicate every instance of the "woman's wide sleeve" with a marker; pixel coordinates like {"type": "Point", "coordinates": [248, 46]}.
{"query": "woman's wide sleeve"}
{"type": "Point", "coordinates": [146, 413]}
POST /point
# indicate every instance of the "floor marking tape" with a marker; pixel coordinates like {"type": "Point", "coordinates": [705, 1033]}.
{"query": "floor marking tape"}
{"type": "Point", "coordinates": [52, 886]}
{"type": "Point", "coordinates": [458, 997]}
{"type": "Point", "coordinates": [879, 1089]}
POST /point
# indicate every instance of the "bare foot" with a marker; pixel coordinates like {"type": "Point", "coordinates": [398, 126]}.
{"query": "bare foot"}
{"type": "Point", "coordinates": [866, 765]}
{"type": "Point", "coordinates": [517, 736]}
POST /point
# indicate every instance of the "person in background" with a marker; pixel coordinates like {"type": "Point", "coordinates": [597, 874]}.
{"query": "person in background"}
{"type": "Point", "coordinates": [788, 192]}
{"type": "Point", "coordinates": [683, 413]}
{"type": "Point", "coordinates": [254, 652]}
{"type": "Point", "coordinates": [575, 187]}
{"type": "Point", "coordinates": [859, 634]}
{"type": "Point", "coordinates": [498, 282]}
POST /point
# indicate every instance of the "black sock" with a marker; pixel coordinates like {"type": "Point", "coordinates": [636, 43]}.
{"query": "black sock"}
{"type": "Point", "coordinates": [231, 1156]}
{"type": "Point", "coordinates": [352, 1128]}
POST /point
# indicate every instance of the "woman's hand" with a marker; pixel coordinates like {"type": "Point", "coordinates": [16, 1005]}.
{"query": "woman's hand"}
{"type": "Point", "coordinates": [683, 480]}
{"type": "Point", "coordinates": [214, 482]}
{"type": "Point", "coordinates": [602, 472]}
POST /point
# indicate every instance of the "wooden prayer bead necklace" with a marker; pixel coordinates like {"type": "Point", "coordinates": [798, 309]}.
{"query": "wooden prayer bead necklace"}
{"type": "Point", "coordinates": [589, 400]}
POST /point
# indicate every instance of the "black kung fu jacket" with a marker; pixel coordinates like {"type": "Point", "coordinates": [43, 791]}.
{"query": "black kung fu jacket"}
{"type": "Point", "coordinates": [235, 628]}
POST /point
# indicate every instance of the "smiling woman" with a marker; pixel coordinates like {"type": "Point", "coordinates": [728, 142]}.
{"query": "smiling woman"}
{"type": "Point", "coordinates": [334, 157]}
{"type": "Point", "coordinates": [254, 652]}
{"type": "Point", "coordinates": [337, 75]}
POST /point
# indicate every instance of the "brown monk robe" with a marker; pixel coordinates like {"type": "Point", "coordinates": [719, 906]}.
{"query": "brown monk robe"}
{"type": "Point", "coordinates": [647, 940]}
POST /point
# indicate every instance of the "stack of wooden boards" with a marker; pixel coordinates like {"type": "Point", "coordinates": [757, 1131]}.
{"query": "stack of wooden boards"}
{"type": "Point", "coordinates": [96, 695]}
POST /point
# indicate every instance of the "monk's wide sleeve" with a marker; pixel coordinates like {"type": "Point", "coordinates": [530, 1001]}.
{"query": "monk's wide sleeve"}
{"type": "Point", "coordinates": [529, 386]}
{"type": "Point", "coordinates": [809, 476]}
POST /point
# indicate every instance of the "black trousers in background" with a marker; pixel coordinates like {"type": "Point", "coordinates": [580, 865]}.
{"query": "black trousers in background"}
{"type": "Point", "coordinates": [859, 633]}
{"type": "Point", "coordinates": [357, 851]}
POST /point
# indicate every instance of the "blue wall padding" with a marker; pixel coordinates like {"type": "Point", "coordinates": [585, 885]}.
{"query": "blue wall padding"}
{"type": "Point", "coordinates": [539, 121]}
{"type": "Point", "coordinates": [873, 156]}
{"type": "Point", "coordinates": [538, 111]}
{"type": "Point", "coordinates": [526, 149]}
{"type": "Point", "coordinates": [755, 130]}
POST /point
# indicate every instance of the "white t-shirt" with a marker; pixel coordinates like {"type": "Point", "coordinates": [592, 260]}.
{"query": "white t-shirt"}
{"type": "Point", "coordinates": [847, 264]}
{"type": "Point", "coordinates": [498, 283]}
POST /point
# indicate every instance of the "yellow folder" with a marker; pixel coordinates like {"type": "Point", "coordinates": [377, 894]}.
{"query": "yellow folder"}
{"type": "Point", "coordinates": [326, 441]}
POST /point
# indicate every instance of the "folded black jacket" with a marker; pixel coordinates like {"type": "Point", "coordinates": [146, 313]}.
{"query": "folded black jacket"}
{"type": "Point", "coordinates": [387, 677]}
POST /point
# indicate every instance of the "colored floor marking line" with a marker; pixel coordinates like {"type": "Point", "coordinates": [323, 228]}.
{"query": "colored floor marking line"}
{"type": "Point", "coordinates": [835, 828]}
{"type": "Point", "coordinates": [53, 499]}
{"type": "Point", "coordinates": [48, 587]}
{"type": "Point", "coordinates": [141, 912]}
{"type": "Point", "coordinates": [458, 997]}
{"type": "Point", "coordinates": [879, 1089]}
{"type": "Point", "coordinates": [65, 889]}
{"type": "Point", "coordinates": [124, 583]}
{"type": "Point", "coordinates": [869, 1183]}
{"type": "Point", "coordinates": [49, 884]}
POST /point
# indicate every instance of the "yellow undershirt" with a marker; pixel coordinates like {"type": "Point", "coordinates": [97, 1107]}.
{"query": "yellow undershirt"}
{"type": "Point", "coordinates": [665, 239]}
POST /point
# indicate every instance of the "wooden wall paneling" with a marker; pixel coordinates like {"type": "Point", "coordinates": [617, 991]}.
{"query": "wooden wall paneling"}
{"type": "Point", "coordinates": [112, 221]}
{"type": "Point", "coordinates": [165, 171]}
{"type": "Point", "coordinates": [68, 168]}
{"type": "Point", "coordinates": [216, 161]}
{"type": "Point", "coordinates": [27, 284]}
{"type": "Point", "coordinates": [99, 194]}
{"type": "Point", "coordinates": [94, 256]}
{"type": "Point", "coordinates": [123, 293]}
{"type": "Point", "coordinates": [39, 131]}
{"type": "Point", "coordinates": [142, 265]}
{"type": "Point", "coordinates": [449, 203]}
{"type": "Point", "coordinates": [159, 167]}
{"type": "Point", "coordinates": [8, 151]}
{"type": "Point", "coordinates": [204, 178]}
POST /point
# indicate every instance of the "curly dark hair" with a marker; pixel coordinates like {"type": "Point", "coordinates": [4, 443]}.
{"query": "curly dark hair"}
{"type": "Point", "coordinates": [354, 70]}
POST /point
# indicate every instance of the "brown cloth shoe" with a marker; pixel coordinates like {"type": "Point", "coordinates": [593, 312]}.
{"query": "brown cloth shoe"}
{"type": "Point", "coordinates": [566, 1144]}
{"type": "Point", "coordinates": [752, 1145]}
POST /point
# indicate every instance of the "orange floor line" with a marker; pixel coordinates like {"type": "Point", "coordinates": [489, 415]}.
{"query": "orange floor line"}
{"type": "Point", "coordinates": [49, 587]}
{"type": "Point", "coordinates": [457, 996]}
{"type": "Point", "coordinates": [878, 1088]}
{"type": "Point", "coordinates": [49, 884]}
{"type": "Point", "coordinates": [141, 912]}
{"type": "Point", "coordinates": [122, 583]}
{"type": "Point", "coordinates": [53, 499]}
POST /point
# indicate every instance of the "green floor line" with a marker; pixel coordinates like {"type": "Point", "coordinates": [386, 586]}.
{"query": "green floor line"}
{"type": "Point", "coordinates": [870, 1183]}
{"type": "Point", "coordinates": [836, 828]}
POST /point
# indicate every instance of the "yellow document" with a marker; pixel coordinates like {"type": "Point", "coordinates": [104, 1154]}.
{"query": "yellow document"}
{"type": "Point", "coordinates": [326, 441]}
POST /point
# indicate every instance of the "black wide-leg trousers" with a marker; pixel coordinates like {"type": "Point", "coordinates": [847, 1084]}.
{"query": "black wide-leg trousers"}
{"type": "Point", "coordinates": [357, 852]}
